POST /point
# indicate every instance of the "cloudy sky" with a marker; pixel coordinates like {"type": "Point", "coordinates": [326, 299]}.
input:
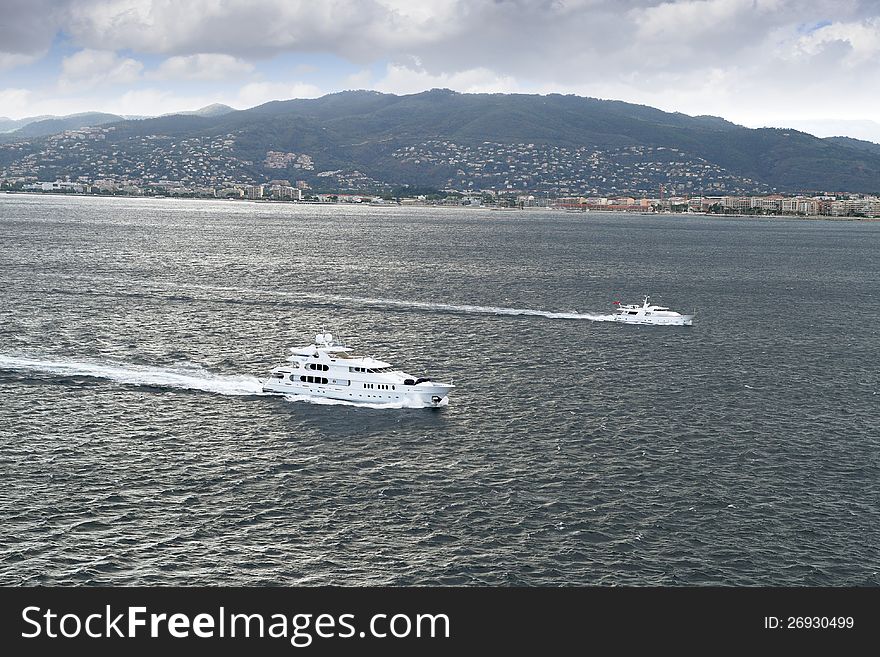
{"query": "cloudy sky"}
{"type": "Point", "coordinates": [808, 64]}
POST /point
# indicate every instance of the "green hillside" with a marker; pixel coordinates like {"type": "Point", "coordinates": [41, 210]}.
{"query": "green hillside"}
{"type": "Point", "coordinates": [553, 143]}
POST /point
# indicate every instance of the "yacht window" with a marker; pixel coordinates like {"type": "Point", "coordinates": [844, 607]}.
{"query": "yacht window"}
{"type": "Point", "coordinates": [278, 375]}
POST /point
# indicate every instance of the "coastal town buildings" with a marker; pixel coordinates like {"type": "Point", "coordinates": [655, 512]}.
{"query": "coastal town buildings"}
{"type": "Point", "coordinates": [823, 205]}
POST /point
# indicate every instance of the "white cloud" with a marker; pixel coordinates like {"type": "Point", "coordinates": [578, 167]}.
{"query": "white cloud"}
{"type": "Point", "coordinates": [15, 102]}
{"type": "Point", "coordinates": [860, 41]}
{"type": "Point", "coordinates": [150, 101]}
{"type": "Point", "coordinates": [203, 66]}
{"type": "Point", "coordinates": [361, 80]}
{"type": "Point", "coordinates": [690, 17]}
{"type": "Point", "coordinates": [354, 28]}
{"type": "Point", "coordinates": [401, 79]}
{"type": "Point", "coordinates": [14, 60]}
{"type": "Point", "coordinates": [257, 93]}
{"type": "Point", "coordinates": [89, 68]}
{"type": "Point", "coordinates": [154, 101]}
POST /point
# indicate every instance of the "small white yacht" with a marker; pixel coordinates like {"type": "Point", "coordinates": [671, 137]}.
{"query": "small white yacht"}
{"type": "Point", "coordinates": [329, 370]}
{"type": "Point", "coordinates": [649, 314]}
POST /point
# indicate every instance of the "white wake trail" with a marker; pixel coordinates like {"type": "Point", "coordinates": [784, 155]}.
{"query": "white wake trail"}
{"type": "Point", "coordinates": [405, 303]}
{"type": "Point", "coordinates": [190, 377]}
{"type": "Point", "coordinates": [482, 310]}
{"type": "Point", "coordinates": [379, 301]}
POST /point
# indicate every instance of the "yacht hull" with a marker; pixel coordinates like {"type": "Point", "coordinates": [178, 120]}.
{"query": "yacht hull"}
{"type": "Point", "coordinates": [683, 320]}
{"type": "Point", "coordinates": [420, 395]}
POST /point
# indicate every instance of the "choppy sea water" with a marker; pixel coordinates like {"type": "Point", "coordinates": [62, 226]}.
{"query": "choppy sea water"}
{"type": "Point", "coordinates": [136, 447]}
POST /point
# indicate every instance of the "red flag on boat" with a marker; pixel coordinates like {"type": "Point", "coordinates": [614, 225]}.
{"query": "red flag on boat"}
{"type": "Point", "coordinates": [616, 303]}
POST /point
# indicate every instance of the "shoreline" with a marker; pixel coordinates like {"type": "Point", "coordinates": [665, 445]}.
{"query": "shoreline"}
{"type": "Point", "coordinates": [445, 206]}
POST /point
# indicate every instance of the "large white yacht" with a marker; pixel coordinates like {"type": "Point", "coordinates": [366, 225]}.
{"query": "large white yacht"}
{"type": "Point", "coordinates": [329, 370]}
{"type": "Point", "coordinates": [649, 314]}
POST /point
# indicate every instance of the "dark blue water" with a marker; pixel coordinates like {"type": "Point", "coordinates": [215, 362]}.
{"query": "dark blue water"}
{"type": "Point", "coordinates": [135, 450]}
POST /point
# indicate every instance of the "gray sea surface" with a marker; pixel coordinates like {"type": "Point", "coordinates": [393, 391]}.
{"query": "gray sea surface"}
{"type": "Point", "coordinates": [137, 449]}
